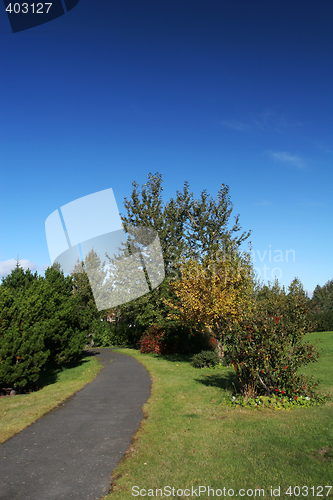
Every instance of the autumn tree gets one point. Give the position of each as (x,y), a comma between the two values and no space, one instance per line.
(187,228)
(214,293)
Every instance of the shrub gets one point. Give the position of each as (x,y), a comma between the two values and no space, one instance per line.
(55,308)
(173,338)
(106,334)
(19,280)
(152,342)
(267,352)
(205,359)
(324,321)
(22,350)
(39,324)
(182,339)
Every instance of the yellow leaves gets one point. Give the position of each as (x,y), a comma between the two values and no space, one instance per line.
(211,293)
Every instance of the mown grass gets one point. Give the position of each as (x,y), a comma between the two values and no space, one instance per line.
(189,438)
(17,412)
(323,370)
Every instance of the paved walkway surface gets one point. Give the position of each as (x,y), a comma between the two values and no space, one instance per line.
(71,452)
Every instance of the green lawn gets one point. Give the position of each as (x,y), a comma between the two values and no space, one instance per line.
(189,439)
(323,370)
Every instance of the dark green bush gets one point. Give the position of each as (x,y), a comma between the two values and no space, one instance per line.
(173,338)
(181,339)
(324,321)
(106,334)
(19,280)
(205,359)
(56,309)
(22,350)
(39,325)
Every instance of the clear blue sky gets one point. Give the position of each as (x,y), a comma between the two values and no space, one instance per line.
(237,92)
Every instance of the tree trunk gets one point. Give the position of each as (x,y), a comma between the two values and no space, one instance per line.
(220,342)
(219,350)
(220,347)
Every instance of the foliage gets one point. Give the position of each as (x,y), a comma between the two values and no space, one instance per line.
(172,338)
(85,303)
(56,309)
(152,342)
(187,228)
(322,298)
(39,324)
(106,334)
(323,321)
(275,402)
(18,280)
(267,351)
(272,297)
(205,359)
(322,307)
(22,350)
(184,339)
(215,294)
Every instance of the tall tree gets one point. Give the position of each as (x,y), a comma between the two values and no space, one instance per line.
(322,298)
(171,220)
(19,280)
(85,303)
(209,232)
(188,228)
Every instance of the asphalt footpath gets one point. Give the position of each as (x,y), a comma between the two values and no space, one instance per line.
(71,452)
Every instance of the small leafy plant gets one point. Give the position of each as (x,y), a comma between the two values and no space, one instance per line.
(205,359)
(275,402)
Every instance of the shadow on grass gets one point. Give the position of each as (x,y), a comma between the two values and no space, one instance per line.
(227,381)
(176,358)
(49,374)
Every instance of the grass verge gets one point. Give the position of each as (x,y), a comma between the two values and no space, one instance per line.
(190,439)
(17,412)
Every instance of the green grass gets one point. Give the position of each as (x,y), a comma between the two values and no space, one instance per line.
(17,412)
(189,438)
(323,370)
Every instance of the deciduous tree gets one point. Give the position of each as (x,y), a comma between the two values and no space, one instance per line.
(187,228)
(214,294)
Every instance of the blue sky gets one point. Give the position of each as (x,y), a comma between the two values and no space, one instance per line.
(210,92)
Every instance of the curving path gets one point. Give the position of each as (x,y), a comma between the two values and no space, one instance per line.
(71,452)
